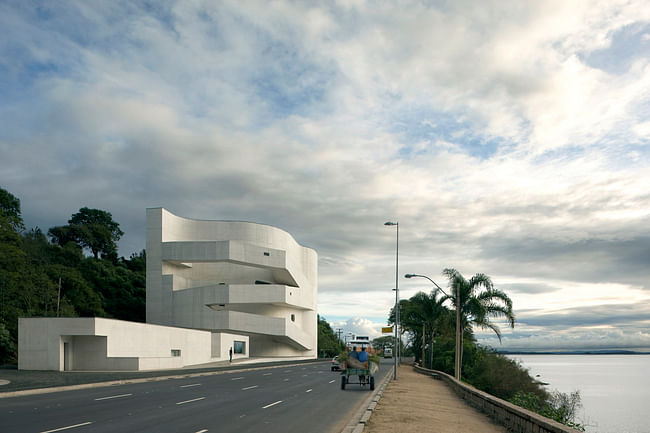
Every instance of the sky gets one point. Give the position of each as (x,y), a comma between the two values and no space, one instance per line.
(507,138)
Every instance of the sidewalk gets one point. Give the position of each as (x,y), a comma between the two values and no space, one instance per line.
(417,403)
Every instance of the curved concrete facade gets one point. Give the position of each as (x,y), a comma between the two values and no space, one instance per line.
(235,277)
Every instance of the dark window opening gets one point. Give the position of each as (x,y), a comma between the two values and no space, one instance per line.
(239,347)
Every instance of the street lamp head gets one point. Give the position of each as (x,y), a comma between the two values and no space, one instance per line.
(390,223)
(410,275)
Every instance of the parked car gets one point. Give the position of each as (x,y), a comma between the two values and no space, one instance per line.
(335,364)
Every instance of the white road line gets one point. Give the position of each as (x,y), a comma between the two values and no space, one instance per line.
(237,378)
(65,428)
(191,384)
(201,431)
(286,380)
(190,401)
(113,396)
(249,387)
(267,374)
(272,404)
(309,390)
(332,381)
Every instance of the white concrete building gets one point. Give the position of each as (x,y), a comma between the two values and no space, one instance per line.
(211,286)
(231,276)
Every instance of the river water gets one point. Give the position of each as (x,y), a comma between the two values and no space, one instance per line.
(615,389)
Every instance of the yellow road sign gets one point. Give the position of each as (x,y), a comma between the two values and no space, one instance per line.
(388,330)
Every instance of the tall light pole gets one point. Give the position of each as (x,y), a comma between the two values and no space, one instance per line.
(458,329)
(397,342)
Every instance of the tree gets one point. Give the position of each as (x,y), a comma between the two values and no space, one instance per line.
(90,228)
(10,209)
(328,344)
(479,301)
(423,315)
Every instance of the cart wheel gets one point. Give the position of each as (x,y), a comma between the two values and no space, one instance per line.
(372,383)
(343,382)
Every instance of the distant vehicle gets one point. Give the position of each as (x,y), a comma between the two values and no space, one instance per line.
(336,366)
(388,352)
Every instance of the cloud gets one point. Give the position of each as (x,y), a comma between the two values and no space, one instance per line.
(505,138)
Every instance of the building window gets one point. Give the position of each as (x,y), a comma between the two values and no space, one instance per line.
(176,352)
(266,254)
(239,347)
(293,317)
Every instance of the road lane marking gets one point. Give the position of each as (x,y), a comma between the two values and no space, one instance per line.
(272,404)
(309,390)
(237,378)
(190,401)
(191,384)
(332,381)
(286,380)
(267,374)
(201,431)
(249,387)
(68,427)
(113,396)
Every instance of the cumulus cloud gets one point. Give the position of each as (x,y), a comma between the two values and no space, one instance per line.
(506,138)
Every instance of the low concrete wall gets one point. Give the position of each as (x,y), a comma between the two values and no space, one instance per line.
(511,416)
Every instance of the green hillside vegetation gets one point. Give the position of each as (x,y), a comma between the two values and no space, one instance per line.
(33,266)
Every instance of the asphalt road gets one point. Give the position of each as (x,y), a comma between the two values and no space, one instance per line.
(299,398)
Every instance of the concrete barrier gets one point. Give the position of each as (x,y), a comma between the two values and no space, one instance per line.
(511,416)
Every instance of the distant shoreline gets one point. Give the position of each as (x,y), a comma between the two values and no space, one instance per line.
(573,352)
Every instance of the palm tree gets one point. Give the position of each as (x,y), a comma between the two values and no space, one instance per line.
(479,301)
(421,315)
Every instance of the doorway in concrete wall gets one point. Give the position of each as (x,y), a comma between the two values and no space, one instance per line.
(67,357)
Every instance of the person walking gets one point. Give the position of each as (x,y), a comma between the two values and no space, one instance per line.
(230,352)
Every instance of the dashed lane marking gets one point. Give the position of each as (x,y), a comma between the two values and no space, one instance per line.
(272,404)
(249,387)
(113,396)
(190,385)
(68,427)
(190,401)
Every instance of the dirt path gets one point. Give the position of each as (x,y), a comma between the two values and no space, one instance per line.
(417,403)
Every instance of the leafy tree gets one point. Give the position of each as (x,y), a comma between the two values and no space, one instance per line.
(380,343)
(328,344)
(10,209)
(93,229)
(479,302)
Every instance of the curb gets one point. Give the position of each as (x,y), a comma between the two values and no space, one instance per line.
(358,421)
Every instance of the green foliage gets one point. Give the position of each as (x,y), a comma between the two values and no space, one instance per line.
(558,406)
(328,344)
(31,268)
(7,346)
(93,229)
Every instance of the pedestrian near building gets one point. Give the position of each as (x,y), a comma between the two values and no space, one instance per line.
(230,354)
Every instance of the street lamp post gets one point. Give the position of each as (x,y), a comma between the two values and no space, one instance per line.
(458,329)
(397,345)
